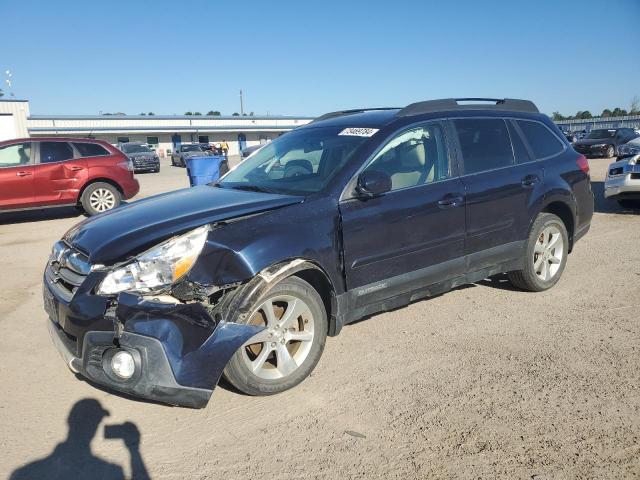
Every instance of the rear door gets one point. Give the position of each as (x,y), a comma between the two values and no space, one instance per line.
(501,192)
(413,235)
(16,176)
(60,174)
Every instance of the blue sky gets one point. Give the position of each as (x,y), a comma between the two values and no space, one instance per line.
(310,57)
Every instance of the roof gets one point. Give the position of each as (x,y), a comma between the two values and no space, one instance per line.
(357,118)
(168,117)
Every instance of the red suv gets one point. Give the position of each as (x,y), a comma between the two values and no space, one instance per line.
(52,172)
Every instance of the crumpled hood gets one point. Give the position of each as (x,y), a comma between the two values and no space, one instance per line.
(113,236)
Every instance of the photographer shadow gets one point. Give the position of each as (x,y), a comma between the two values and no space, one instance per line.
(73,457)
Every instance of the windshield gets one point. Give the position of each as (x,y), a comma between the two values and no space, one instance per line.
(135,149)
(601,133)
(301,162)
(191,148)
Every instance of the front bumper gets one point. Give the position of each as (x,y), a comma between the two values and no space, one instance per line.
(591,150)
(624,184)
(181,350)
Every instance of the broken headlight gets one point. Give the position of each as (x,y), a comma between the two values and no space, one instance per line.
(158,267)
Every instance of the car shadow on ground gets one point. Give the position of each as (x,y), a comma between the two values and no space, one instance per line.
(605,205)
(73,458)
(54,213)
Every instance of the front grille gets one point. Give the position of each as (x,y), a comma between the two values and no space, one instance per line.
(66,270)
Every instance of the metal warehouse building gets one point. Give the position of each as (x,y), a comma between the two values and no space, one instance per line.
(163,133)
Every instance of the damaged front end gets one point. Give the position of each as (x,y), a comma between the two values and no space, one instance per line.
(169,346)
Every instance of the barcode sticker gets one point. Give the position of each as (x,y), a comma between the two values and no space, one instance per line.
(359,132)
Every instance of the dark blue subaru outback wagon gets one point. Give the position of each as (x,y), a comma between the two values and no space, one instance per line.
(358,212)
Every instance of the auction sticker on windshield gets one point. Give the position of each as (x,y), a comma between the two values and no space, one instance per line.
(359,132)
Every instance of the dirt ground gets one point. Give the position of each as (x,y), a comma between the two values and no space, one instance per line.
(481,382)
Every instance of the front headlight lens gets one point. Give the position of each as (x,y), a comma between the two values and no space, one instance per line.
(628,150)
(159,267)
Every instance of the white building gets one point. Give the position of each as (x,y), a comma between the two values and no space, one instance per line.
(160,131)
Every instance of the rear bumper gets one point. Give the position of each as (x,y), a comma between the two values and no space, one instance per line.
(130,187)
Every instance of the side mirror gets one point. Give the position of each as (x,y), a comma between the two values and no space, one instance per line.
(372,183)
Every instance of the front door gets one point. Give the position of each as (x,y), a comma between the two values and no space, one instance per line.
(412,236)
(16,176)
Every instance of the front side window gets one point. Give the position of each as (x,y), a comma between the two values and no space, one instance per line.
(51,152)
(601,133)
(91,150)
(543,143)
(15,155)
(300,162)
(414,157)
(484,143)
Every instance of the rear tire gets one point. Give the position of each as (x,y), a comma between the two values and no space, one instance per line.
(287,351)
(100,197)
(545,257)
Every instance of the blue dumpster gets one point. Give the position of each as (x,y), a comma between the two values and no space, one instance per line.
(204,169)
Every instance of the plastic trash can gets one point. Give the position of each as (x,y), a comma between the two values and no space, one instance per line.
(204,169)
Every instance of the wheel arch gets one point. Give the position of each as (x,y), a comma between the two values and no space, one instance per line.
(563,211)
(307,270)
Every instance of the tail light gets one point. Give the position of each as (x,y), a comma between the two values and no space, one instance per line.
(583,163)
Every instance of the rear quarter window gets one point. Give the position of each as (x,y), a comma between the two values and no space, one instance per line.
(91,150)
(543,143)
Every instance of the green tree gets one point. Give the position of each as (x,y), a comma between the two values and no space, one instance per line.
(558,116)
(1,93)
(618,112)
(143,114)
(188,113)
(197,113)
(235,114)
(213,113)
(151,114)
(606,113)
(634,108)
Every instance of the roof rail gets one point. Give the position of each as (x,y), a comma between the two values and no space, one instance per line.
(340,113)
(510,104)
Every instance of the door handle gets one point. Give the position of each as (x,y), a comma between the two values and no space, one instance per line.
(22,174)
(530,180)
(450,201)
(74,168)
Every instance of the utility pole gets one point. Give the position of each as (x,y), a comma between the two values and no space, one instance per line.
(241,103)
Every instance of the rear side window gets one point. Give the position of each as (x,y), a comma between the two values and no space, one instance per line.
(15,155)
(91,150)
(543,143)
(51,152)
(484,143)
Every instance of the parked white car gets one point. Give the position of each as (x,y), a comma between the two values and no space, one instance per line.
(623,176)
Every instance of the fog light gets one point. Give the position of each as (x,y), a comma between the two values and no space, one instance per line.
(123,365)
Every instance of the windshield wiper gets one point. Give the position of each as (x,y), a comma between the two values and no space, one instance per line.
(253,188)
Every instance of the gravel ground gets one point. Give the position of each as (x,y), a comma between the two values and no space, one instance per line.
(483,381)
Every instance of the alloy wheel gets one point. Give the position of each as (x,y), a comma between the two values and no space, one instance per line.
(285,343)
(102,199)
(548,253)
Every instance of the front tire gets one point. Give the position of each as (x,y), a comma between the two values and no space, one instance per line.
(611,151)
(545,257)
(100,197)
(290,346)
